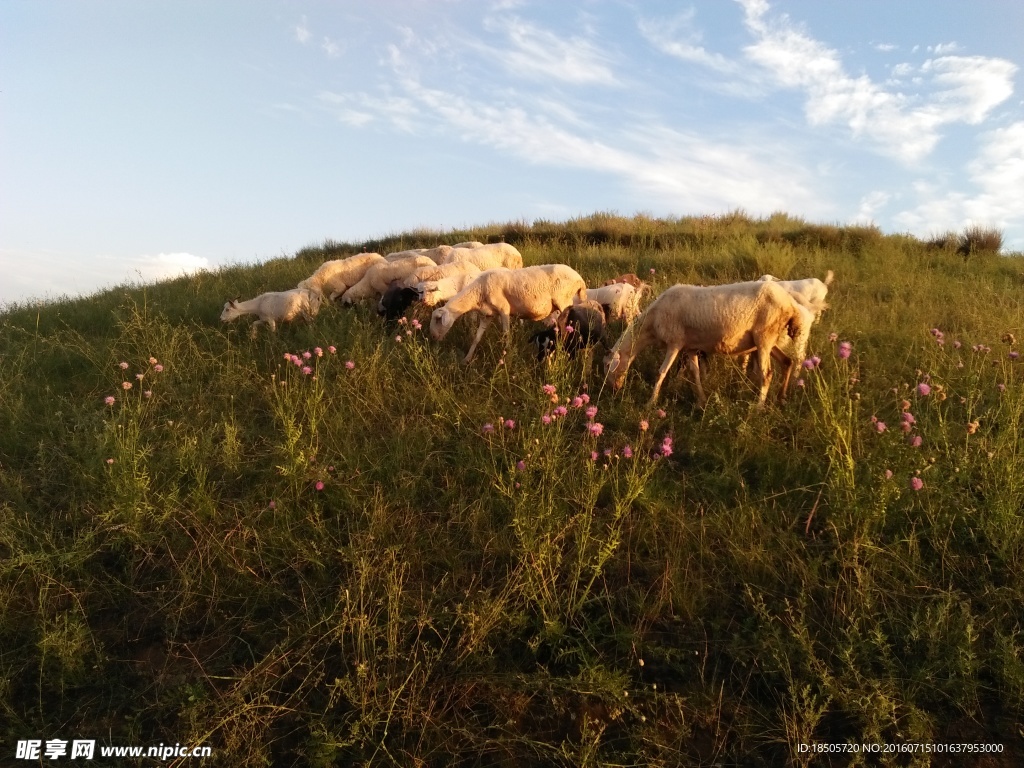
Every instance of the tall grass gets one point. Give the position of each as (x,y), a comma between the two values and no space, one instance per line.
(379,556)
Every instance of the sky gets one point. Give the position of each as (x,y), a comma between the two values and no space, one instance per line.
(143,139)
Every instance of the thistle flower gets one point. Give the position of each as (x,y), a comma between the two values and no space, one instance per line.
(158,368)
(307,370)
(627,451)
(880,426)
(153,361)
(915,441)
(319,485)
(487,428)
(126,385)
(417,324)
(644,425)
(123,365)
(888,474)
(595,429)
(591,412)
(577,402)
(548,389)
(349,365)
(520,465)
(510,424)
(318,351)
(924,389)
(845,348)
(916,483)
(148,393)
(560,411)
(109,399)
(306,355)
(332,349)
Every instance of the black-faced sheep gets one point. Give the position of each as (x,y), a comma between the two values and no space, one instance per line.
(579,327)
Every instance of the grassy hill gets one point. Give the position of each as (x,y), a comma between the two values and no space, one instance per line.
(349,567)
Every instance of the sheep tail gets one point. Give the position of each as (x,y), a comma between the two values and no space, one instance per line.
(828,278)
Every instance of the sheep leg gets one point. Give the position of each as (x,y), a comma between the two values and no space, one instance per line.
(670,358)
(764,369)
(693,363)
(484,323)
(787,370)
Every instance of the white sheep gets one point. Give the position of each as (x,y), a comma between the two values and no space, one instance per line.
(487,256)
(380,275)
(337,276)
(621,301)
(439,272)
(810,290)
(725,319)
(534,293)
(434,292)
(274,307)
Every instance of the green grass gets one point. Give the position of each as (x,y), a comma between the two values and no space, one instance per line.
(172,569)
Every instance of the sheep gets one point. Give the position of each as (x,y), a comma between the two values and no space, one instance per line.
(629,278)
(439,272)
(434,292)
(396,299)
(274,307)
(487,256)
(381,275)
(811,291)
(727,319)
(335,277)
(621,301)
(580,326)
(534,293)
(469,244)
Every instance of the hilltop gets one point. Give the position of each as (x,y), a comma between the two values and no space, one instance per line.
(201,544)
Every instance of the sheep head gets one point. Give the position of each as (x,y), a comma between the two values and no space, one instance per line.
(441,321)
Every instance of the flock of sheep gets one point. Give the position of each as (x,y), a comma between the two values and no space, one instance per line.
(758,320)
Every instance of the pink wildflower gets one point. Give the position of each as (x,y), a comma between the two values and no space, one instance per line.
(349,365)
(487,428)
(666,447)
(153,361)
(845,348)
(332,349)
(800,383)
(1014,355)
(306,355)
(307,370)
(916,441)
(520,465)
(644,425)
(888,474)
(652,270)
(148,393)
(833,337)
(577,402)
(272,504)
(591,412)
(569,329)
(398,338)
(908,418)
(595,429)
(319,485)
(924,389)
(1001,387)
(585,397)
(318,351)
(110,461)
(593,455)
(661,413)
(560,411)
(880,426)
(126,385)
(416,324)
(627,451)
(916,483)
(109,399)
(548,389)
(138,377)
(158,368)
(123,365)
(510,424)
(546,419)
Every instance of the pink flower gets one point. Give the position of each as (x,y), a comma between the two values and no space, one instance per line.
(332,349)
(908,418)
(916,483)
(880,426)
(1001,387)
(307,370)
(627,451)
(560,411)
(546,419)
(487,428)
(888,474)
(595,429)
(306,355)
(153,361)
(924,389)
(110,461)
(800,383)
(398,338)
(126,385)
(591,412)
(123,365)
(272,504)
(548,389)
(957,345)
(661,413)
(148,393)
(666,447)
(833,336)
(158,368)
(585,397)
(593,455)
(608,453)
(906,426)
(916,441)
(349,365)
(1014,355)
(510,424)
(138,377)
(416,324)
(318,352)
(520,465)
(845,348)
(577,402)
(644,425)
(569,329)
(652,270)
(319,485)
(109,399)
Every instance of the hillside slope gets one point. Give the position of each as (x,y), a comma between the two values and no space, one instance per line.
(350,566)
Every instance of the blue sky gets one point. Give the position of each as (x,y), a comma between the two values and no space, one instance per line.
(139,139)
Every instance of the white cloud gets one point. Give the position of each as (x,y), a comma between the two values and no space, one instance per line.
(870,205)
(679,38)
(539,54)
(302,33)
(885,47)
(164,266)
(331,48)
(943,48)
(358,109)
(906,126)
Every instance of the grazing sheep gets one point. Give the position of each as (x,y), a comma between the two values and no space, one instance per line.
(811,291)
(728,319)
(534,293)
(434,292)
(274,307)
(469,244)
(381,275)
(337,276)
(621,301)
(580,327)
(439,272)
(487,256)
